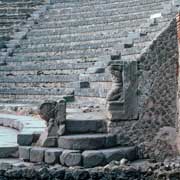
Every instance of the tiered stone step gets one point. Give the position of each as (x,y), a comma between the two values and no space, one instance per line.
(87,141)
(13,13)
(86,123)
(79,35)
(88,159)
(93,146)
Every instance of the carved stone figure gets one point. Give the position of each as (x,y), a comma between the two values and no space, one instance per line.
(115,93)
(54,113)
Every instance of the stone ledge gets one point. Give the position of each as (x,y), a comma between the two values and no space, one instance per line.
(89,158)
(87,141)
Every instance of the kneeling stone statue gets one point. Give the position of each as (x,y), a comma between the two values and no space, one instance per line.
(54,113)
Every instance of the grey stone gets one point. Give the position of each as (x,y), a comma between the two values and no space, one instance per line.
(50,142)
(37,154)
(52,155)
(93,158)
(84,84)
(89,126)
(119,153)
(94,70)
(128,43)
(25,139)
(71,158)
(5,166)
(134,35)
(24,153)
(7,152)
(87,141)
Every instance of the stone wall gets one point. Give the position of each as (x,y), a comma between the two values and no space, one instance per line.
(113,171)
(157,93)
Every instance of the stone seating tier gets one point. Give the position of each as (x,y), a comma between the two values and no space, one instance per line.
(13,13)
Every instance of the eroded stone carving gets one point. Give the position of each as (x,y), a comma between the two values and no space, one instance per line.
(115,94)
(54,113)
(122,98)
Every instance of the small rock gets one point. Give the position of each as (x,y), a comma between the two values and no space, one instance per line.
(123,161)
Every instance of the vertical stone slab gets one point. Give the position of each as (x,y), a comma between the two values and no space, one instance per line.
(61,116)
(24,152)
(37,154)
(61,111)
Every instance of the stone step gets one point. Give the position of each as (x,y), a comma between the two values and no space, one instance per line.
(13,16)
(84,53)
(20,4)
(56,59)
(30,90)
(87,141)
(9,22)
(81,42)
(103,14)
(87,159)
(52,71)
(28,98)
(36,91)
(86,37)
(37,85)
(12,10)
(101,20)
(92,158)
(45,67)
(39,79)
(101,3)
(125,26)
(19,60)
(93,122)
(108,9)
(75,46)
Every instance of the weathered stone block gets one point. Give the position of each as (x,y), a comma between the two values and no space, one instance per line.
(84,84)
(119,153)
(134,35)
(94,70)
(128,43)
(86,141)
(24,153)
(6,152)
(93,158)
(25,139)
(71,158)
(50,142)
(37,154)
(52,155)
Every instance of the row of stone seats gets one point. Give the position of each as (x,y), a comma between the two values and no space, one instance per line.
(82,41)
(13,13)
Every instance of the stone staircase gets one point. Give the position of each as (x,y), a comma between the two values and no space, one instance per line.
(86,143)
